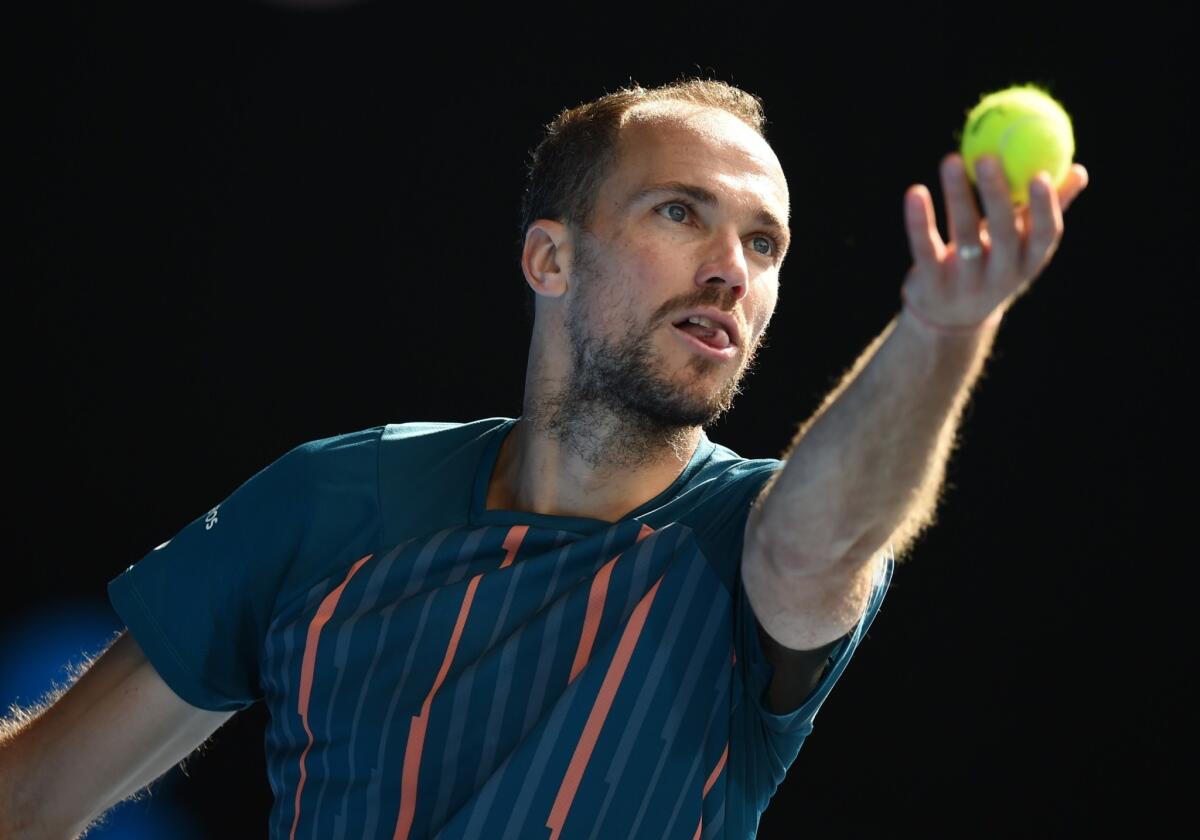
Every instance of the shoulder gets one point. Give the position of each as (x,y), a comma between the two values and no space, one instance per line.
(365,444)
(341,445)
(713,492)
(724,471)
(714,503)
(335,462)
(432,432)
(408,448)
(336,458)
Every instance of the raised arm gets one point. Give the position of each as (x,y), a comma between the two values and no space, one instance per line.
(866,470)
(114,731)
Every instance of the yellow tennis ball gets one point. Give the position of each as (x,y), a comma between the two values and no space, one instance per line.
(1027,129)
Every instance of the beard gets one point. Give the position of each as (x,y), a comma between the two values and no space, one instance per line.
(616,408)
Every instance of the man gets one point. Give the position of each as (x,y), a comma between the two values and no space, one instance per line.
(589,621)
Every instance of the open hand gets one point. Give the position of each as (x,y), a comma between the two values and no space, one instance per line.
(947,285)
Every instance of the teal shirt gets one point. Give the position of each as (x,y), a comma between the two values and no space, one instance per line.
(436,669)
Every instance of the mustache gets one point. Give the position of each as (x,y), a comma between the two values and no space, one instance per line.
(724,300)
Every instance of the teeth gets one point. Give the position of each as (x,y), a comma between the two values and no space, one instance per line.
(704,322)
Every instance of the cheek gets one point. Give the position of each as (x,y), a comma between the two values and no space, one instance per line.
(766,308)
(649,264)
(629,280)
(610,309)
(648,259)
(628,289)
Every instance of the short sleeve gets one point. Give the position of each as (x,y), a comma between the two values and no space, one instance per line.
(200,604)
(768,743)
(757,672)
(719,519)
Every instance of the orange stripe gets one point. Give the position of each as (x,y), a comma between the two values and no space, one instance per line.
(716,771)
(597,595)
(324,613)
(516,534)
(600,710)
(591,621)
(303,777)
(420,724)
(712,780)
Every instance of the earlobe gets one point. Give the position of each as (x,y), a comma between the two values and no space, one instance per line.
(545,258)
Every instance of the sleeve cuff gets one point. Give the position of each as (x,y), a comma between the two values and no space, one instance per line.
(128,604)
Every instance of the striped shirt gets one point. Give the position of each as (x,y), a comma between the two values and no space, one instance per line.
(435,669)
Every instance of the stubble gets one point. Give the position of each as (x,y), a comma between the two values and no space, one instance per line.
(615,408)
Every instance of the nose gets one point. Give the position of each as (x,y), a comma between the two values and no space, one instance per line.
(726,266)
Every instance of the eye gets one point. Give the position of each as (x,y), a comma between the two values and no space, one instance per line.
(770,248)
(676,211)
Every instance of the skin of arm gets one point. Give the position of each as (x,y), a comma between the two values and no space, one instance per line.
(865,471)
(862,473)
(114,731)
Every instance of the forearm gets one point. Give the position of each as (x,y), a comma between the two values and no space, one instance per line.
(22,786)
(15,818)
(867,467)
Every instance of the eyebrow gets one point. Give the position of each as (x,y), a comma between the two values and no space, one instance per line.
(706,197)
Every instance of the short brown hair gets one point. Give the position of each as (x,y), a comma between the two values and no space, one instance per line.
(578,148)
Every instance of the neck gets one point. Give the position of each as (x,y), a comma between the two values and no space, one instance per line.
(578,458)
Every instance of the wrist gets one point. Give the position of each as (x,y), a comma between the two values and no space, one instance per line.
(929,326)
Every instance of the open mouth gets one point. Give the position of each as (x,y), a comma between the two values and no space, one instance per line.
(705,332)
(712,341)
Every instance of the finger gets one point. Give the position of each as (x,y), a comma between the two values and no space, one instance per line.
(1001,218)
(1075,183)
(1023,219)
(1046,223)
(921,225)
(962,214)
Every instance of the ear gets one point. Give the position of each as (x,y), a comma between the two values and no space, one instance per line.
(545,259)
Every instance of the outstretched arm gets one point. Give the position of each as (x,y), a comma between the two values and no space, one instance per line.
(116,730)
(865,471)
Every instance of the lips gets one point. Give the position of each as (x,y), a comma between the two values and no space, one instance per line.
(712,336)
(720,320)
(708,349)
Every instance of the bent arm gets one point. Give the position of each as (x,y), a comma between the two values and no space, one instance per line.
(116,730)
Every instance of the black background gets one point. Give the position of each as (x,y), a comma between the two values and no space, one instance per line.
(247,226)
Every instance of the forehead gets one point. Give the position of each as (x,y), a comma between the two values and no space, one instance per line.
(707,147)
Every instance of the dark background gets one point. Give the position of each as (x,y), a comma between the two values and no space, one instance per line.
(247,226)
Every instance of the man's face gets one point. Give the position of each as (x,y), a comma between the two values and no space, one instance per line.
(693,217)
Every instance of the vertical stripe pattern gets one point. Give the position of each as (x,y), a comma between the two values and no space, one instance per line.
(416,738)
(595,721)
(508,682)
(324,613)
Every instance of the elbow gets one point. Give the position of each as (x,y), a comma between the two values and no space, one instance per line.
(790,550)
(786,553)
